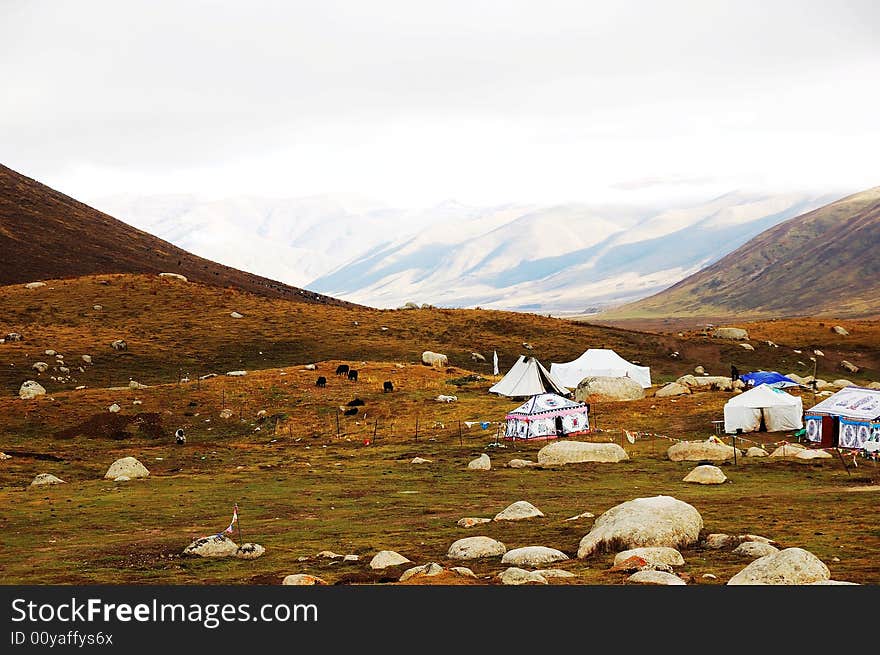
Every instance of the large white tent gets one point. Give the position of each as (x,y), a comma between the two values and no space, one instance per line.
(779,411)
(600,362)
(527,377)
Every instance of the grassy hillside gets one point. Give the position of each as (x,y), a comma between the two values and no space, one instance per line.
(818,264)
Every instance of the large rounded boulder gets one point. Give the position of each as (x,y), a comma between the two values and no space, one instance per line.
(217,545)
(128,467)
(475,547)
(655,521)
(575,452)
(533,556)
(706,474)
(519,511)
(792,566)
(31,389)
(697,451)
(434,359)
(732,333)
(608,388)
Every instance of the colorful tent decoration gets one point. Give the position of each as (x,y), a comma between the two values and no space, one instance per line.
(599,362)
(547,416)
(770,378)
(854,414)
(763,407)
(527,377)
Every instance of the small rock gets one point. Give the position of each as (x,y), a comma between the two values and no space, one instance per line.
(533,556)
(555,573)
(236,374)
(213,546)
(521,464)
(119,344)
(706,474)
(351,558)
(303,579)
(428,570)
(849,366)
(385,558)
(44,479)
(470,522)
(818,353)
(250,551)
(31,389)
(746,346)
(236,315)
(651,555)
(517,576)
(226,413)
(839,329)
(34,285)
(87,359)
(813,454)
(699,370)
(672,389)
(419,460)
(481,463)
(329,554)
(755,451)
(655,577)
(113,408)
(710,576)
(174,276)
(518,511)
(754,549)
(583,515)
(787,450)
(463,571)
(40,367)
(474,547)
(122,478)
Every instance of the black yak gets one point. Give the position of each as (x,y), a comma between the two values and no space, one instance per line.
(353,375)
(387,386)
(342,369)
(321,382)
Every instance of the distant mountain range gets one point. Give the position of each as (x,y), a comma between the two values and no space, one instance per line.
(45,234)
(821,263)
(565,258)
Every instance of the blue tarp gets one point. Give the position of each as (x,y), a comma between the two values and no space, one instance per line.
(771,378)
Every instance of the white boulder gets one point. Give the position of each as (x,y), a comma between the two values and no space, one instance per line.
(655,577)
(706,474)
(754,549)
(302,579)
(519,511)
(128,466)
(792,566)
(573,452)
(533,556)
(481,463)
(385,558)
(44,479)
(518,576)
(695,451)
(31,389)
(653,555)
(213,546)
(475,547)
(611,388)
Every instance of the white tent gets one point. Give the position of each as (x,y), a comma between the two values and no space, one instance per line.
(527,377)
(598,362)
(547,416)
(779,411)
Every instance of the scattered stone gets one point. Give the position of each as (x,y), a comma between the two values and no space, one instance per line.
(44,479)
(310,367)
(573,452)
(716,382)
(385,558)
(442,398)
(746,346)
(818,353)
(236,374)
(849,366)
(584,515)
(64,369)
(213,546)
(122,478)
(128,466)
(517,576)
(113,408)
(134,384)
(839,329)
(519,511)
(651,556)
(656,521)
(706,474)
(34,285)
(555,573)
(428,570)
(40,367)
(5,456)
(250,551)
(475,547)
(302,579)
(226,413)
(655,577)
(329,554)
(119,344)
(533,556)
(672,389)
(174,276)
(13,336)
(699,370)
(87,359)
(236,315)
(792,566)
(521,464)
(735,334)
(434,359)
(611,388)
(787,450)
(97,308)
(469,522)
(207,376)
(813,454)
(477,357)
(481,463)
(710,576)
(717,541)
(842,383)
(755,451)
(696,451)
(351,558)
(31,389)
(419,460)
(754,549)
(832,582)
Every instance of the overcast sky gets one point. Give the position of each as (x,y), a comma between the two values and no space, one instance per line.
(415,102)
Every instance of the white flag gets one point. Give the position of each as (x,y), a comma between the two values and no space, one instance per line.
(495,362)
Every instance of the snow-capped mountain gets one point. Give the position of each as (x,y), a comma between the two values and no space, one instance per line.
(521,257)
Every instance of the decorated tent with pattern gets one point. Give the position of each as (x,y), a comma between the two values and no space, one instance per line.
(600,362)
(763,408)
(528,377)
(547,416)
(856,411)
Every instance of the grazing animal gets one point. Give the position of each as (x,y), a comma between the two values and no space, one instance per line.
(387,386)
(351,412)
(357,402)
(353,375)
(342,369)
(321,382)
(180,437)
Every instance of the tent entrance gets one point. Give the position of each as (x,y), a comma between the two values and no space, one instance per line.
(559,428)
(763,426)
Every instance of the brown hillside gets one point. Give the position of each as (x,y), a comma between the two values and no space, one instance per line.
(45,234)
(818,264)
